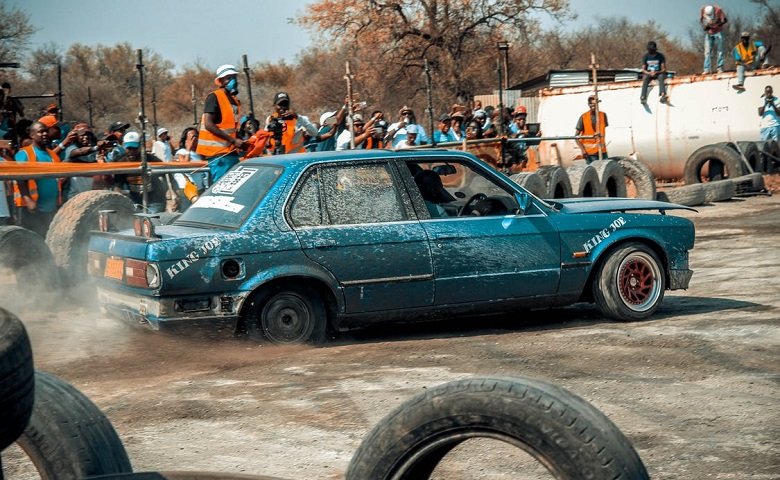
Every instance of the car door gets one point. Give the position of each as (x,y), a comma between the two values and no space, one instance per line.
(352,219)
(500,255)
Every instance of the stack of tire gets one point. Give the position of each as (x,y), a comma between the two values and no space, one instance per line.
(715,173)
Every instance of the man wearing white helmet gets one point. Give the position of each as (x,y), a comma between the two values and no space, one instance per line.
(712,19)
(218,141)
(133,184)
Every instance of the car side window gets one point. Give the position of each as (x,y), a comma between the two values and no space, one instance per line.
(357,194)
(306,209)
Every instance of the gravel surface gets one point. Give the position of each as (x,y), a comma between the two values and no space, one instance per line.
(695,388)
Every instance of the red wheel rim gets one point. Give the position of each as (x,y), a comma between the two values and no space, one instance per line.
(638,281)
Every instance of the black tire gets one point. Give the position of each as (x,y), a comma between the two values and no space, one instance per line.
(584,180)
(688,195)
(186,475)
(640,176)
(68,436)
(723,162)
(531,182)
(719,190)
(754,157)
(771,151)
(288,314)
(557,181)
(630,283)
(611,179)
(26,253)
(68,236)
(17,378)
(750,183)
(562,431)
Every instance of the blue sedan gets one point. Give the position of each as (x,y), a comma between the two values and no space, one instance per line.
(291,247)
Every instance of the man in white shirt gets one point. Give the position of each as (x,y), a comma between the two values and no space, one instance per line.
(770,115)
(162,146)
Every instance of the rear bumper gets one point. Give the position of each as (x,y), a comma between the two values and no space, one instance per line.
(679,279)
(160,312)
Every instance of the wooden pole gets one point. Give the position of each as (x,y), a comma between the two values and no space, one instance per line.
(594,70)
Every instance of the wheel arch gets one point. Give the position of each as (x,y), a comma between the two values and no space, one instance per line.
(604,254)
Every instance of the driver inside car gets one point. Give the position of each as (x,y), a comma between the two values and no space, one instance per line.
(434,194)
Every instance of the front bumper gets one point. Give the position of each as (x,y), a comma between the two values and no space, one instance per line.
(160,312)
(679,279)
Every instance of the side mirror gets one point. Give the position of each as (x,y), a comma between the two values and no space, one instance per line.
(523,202)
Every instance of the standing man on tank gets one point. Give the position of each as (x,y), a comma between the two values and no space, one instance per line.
(712,18)
(218,142)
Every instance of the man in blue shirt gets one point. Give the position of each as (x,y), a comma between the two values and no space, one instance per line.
(37,200)
(653,66)
(770,115)
(444,133)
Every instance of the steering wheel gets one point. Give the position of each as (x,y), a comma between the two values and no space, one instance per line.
(469,203)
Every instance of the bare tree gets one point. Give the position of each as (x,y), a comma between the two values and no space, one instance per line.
(15,33)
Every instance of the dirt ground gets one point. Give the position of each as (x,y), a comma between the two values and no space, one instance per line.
(695,388)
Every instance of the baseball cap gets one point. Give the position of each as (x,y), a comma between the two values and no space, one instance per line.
(225,70)
(744,34)
(708,10)
(132,140)
(116,126)
(52,108)
(281,97)
(412,128)
(357,118)
(328,118)
(161,130)
(444,117)
(480,114)
(520,110)
(48,120)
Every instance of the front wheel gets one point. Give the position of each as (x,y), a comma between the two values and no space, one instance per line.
(291,315)
(630,284)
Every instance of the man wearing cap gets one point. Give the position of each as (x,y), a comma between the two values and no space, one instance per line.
(156,186)
(410,138)
(37,200)
(653,67)
(81,148)
(398,131)
(769,112)
(331,126)
(296,127)
(362,129)
(444,131)
(162,146)
(218,140)
(712,18)
(588,126)
(749,54)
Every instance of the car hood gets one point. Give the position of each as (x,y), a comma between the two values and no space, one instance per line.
(597,205)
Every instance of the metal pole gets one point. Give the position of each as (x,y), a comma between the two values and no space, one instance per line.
(142,117)
(194,106)
(154,112)
(348,78)
(59,90)
(429,109)
(500,100)
(594,69)
(249,88)
(89,105)
(506,67)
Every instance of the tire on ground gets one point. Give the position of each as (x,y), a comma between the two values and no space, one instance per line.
(287,314)
(719,190)
(629,283)
(713,156)
(562,431)
(754,157)
(68,236)
(557,181)
(771,151)
(611,179)
(584,180)
(750,183)
(688,195)
(68,436)
(636,172)
(26,253)
(17,378)
(531,182)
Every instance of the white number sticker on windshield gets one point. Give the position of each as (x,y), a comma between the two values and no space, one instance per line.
(228,184)
(220,203)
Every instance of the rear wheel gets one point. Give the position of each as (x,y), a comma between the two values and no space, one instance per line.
(630,284)
(290,315)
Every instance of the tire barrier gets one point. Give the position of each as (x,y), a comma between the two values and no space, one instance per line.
(557,181)
(17,378)
(771,152)
(754,157)
(751,183)
(720,160)
(642,179)
(584,180)
(560,430)
(68,236)
(532,182)
(26,253)
(688,195)
(611,178)
(719,191)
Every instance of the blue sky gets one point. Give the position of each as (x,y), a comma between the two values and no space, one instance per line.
(185,32)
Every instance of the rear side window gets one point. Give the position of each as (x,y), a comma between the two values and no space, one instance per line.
(306,210)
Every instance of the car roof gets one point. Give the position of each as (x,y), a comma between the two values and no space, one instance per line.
(303,159)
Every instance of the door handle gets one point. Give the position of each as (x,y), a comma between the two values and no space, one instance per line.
(323,244)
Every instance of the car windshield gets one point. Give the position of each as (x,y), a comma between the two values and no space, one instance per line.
(229,202)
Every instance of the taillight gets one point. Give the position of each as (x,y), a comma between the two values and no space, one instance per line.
(104,222)
(139,273)
(143,226)
(95,263)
